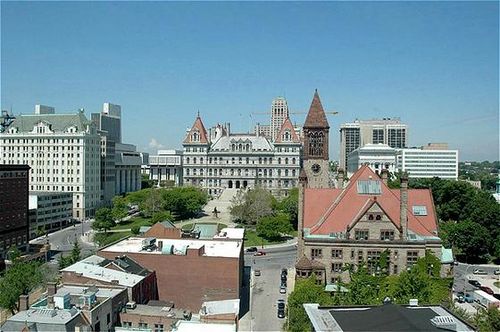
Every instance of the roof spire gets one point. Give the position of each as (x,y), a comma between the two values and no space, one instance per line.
(316,118)
(198,113)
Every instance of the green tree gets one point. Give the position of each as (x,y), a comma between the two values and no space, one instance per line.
(20,278)
(185,202)
(290,205)
(488,319)
(103,219)
(135,229)
(153,202)
(470,241)
(146,182)
(161,216)
(306,291)
(251,206)
(63,261)
(75,252)
(273,227)
(120,208)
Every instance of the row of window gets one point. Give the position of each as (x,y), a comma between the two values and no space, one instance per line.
(5,245)
(141,325)
(240,160)
(364,234)
(239,172)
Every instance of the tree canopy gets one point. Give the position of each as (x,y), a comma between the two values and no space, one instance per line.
(20,278)
(273,227)
(250,206)
(103,219)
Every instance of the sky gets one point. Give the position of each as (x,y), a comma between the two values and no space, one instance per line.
(433,64)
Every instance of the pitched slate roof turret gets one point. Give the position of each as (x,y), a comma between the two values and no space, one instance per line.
(316,117)
(287,125)
(198,128)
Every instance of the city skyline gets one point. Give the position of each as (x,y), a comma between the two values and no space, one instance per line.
(434,65)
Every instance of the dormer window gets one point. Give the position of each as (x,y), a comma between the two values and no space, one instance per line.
(13,130)
(195,136)
(287,137)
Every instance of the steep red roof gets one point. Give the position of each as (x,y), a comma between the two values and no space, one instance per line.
(332,210)
(200,128)
(287,125)
(316,117)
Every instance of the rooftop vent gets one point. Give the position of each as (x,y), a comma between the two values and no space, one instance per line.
(413,302)
(444,322)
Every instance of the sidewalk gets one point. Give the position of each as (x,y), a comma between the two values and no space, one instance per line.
(288,243)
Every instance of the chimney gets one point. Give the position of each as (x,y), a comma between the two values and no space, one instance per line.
(228,129)
(384,175)
(51,291)
(24,302)
(340,178)
(403,206)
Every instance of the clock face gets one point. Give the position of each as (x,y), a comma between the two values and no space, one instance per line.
(316,168)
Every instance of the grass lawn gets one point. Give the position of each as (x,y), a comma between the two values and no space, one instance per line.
(106,238)
(253,240)
(187,227)
(136,221)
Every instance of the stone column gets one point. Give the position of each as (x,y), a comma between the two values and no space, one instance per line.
(123,179)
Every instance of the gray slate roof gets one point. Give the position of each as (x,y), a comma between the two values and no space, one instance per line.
(58,122)
(258,142)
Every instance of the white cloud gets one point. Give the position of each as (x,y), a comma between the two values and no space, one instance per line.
(154,144)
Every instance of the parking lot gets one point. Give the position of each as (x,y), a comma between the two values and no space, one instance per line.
(464,273)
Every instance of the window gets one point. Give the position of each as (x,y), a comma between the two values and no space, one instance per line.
(316,253)
(371,187)
(419,210)
(352,254)
(337,267)
(360,257)
(336,253)
(411,258)
(386,235)
(361,234)
(143,325)
(395,269)
(108,318)
(158,328)
(373,256)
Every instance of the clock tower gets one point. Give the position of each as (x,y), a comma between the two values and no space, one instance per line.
(315,151)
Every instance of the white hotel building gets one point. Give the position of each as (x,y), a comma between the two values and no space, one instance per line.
(63,151)
(433,160)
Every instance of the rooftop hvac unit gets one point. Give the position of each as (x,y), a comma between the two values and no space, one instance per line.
(413,302)
(444,322)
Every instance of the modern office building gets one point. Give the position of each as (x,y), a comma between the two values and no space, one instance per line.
(13,207)
(356,134)
(120,163)
(376,156)
(49,211)
(429,161)
(63,152)
(221,159)
(166,167)
(127,168)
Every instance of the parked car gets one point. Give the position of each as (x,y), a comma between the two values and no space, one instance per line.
(283,283)
(479,271)
(475,283)
(251,249)
(460,297)
(468,298)
(259,253)
(281,304)
(496,272)
(486,290)
(281,313)
(282,289)
(257,273)
(283,278)
(284,272)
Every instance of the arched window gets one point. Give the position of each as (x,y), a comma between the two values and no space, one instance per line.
(286,161)
(201,160)
(378,217)
(279,160)
(187,160)
(293,161)
(194,160)
(370,217)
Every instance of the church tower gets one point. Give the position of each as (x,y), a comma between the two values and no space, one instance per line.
(315,151)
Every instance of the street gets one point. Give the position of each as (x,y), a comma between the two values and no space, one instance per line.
(265,288)
(64,239)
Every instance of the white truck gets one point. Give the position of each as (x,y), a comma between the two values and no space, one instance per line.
(486,299)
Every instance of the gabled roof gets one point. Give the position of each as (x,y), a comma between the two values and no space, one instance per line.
(287,125)
(200,128)
(329,211)
(316,117)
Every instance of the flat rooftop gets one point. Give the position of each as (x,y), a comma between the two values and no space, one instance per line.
(156,311)
(97,272)
(45,316)
(389,317)
(80,290)
(213,248)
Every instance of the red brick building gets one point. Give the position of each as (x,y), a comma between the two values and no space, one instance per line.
(14,226)
(188,271)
